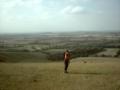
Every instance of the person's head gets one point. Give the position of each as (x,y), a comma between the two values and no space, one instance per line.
(67,50)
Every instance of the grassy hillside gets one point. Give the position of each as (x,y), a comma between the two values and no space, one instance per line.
(84,74)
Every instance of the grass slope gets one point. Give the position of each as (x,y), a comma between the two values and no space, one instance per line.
(96,74)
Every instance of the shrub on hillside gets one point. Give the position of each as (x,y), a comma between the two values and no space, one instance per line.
(85,52)
(55,56)
(117,54)
(78,52)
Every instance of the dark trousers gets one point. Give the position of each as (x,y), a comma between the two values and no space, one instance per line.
(66,62)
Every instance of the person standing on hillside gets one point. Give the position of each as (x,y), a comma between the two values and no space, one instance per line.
(66,60)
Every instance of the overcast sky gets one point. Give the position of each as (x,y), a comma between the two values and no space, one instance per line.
(19,16)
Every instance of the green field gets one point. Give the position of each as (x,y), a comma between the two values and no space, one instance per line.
(84,74)
(23,57)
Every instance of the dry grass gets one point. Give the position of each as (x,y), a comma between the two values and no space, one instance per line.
(95,74)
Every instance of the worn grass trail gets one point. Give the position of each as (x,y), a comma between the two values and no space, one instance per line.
(94,74)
